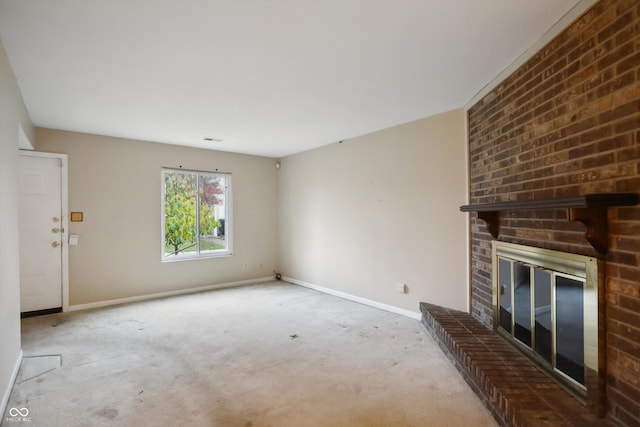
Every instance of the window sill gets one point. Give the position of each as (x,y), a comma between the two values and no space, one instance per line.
(178,258)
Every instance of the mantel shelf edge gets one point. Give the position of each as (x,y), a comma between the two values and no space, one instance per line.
(590,209)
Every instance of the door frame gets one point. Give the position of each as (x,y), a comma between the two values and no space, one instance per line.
(64,202)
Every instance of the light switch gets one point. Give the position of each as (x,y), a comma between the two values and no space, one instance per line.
(73,239)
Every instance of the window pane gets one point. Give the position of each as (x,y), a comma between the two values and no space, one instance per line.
(196,214)
(543,313)
(180,213)
(504,275)
(522,302)
(213,236)
(570,327)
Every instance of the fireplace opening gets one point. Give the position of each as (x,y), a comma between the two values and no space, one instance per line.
(546,303)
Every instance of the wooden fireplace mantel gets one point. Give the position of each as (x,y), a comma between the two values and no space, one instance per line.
(591,210)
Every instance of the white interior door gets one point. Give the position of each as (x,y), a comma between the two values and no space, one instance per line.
(41,233)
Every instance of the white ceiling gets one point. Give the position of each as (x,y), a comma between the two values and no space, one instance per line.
(268,77)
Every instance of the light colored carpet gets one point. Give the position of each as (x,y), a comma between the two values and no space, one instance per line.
(264,355)
(35,366)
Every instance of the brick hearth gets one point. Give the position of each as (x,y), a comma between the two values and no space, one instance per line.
(516,391)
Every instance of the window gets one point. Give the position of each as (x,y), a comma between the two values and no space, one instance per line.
(196,221)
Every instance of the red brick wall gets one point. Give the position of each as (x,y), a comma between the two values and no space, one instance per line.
(567,123)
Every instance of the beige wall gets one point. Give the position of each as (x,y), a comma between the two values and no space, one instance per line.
(363,215)
(358,217)
(12,116)
(116,184)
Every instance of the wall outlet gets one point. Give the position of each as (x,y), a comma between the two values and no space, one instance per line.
(402,288)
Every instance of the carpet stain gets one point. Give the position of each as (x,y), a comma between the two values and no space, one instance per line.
(107,412)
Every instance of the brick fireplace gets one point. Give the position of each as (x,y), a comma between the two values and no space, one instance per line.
(567,124)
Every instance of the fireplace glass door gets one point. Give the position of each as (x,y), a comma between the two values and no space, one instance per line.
(544,311)
(546,303)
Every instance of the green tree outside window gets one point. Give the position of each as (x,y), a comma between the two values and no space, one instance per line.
(194,213)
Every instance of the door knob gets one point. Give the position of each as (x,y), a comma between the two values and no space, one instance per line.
(55,244)
(55,219)
(55,230)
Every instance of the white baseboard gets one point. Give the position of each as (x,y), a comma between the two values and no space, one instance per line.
(98,304)
(397,310)
(12,380)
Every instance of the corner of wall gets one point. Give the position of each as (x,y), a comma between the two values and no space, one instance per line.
(468,222)
(24,142)
(574,13)
(7,392)
(14,121)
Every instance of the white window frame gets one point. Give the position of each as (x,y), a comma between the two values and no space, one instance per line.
(228,251)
